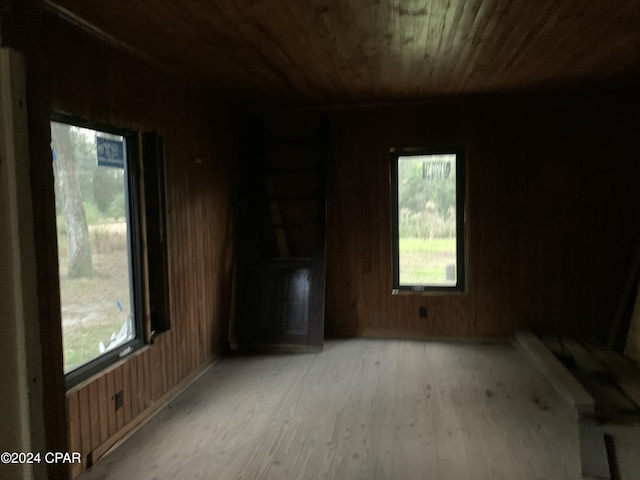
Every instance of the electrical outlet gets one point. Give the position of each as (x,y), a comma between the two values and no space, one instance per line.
(119,400)
(422,312)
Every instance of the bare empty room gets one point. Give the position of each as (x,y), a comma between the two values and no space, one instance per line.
(320,240)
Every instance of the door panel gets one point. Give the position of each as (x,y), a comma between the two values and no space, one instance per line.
(281,297)
(295,302)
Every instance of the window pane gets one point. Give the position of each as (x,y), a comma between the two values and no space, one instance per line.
(93,242)
(427,220)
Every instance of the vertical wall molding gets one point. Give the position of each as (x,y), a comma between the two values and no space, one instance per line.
(21,398)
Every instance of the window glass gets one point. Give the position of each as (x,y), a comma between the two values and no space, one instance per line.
(94,242)
(427,227)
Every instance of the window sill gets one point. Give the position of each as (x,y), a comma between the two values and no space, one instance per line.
(107,369)
(430,292)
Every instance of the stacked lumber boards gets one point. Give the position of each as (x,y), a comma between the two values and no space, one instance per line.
(601,385)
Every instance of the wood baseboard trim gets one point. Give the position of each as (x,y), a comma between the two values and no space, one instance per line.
(398,334)
(341,332)
(156,407)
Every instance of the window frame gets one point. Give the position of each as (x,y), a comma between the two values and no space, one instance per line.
(132,197)
(155,228)
(461,234)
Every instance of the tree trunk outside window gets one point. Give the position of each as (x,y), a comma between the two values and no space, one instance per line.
(80,262)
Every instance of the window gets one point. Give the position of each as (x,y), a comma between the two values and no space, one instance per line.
(96,192)
(427,205)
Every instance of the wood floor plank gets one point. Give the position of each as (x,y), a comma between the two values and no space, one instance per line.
(361,409)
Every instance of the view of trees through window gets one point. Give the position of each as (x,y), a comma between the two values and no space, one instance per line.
(91,219)
(427,220)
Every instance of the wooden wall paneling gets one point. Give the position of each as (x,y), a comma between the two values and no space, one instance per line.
(118,387)
(84,408)
(142,382)
(162,370)
(216,298)
(191,273)
(133,388)
(334,225)
(363,249)
(155,373)
(173,236)
(443,314)
(191,289)
(523,213)
(484,267)
(201,294)
(500,236)
(351,195)
(595,238)
(334,253)
(138,392)
(170,362)
(384,247)
(212,295)
(111,411)
(536,203)
(172,353)
(205,267)
(167,364)
(127,383)
(177,334)
(458,308)
(380,205)
(354,248)
(377,195)
(180,307)
(198,271)
(184,272)
(103,405)
(210,289)
(75,438)
(411,321)
(147,372)
(514,218)
(94,409)
(164,350)
(172,242)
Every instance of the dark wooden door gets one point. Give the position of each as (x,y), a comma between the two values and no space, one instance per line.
(282,264)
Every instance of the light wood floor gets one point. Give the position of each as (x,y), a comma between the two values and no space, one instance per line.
(362,409)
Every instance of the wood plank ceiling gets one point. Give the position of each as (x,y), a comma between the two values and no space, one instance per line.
(336,51)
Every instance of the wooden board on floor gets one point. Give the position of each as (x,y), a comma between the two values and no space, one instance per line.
(566,384)
(593,453)
(632,349)
(626,374)
(584,359)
